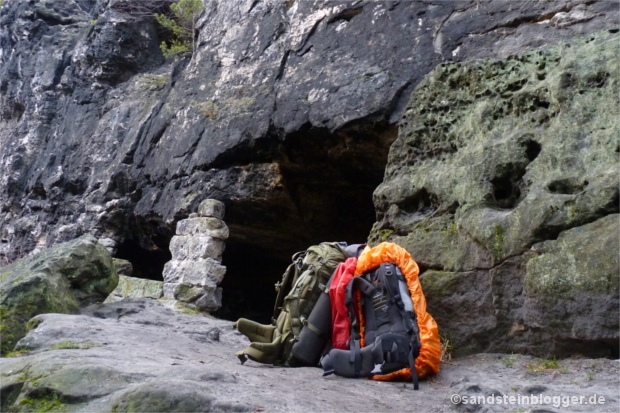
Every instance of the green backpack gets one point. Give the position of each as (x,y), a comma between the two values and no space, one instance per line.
(298,292)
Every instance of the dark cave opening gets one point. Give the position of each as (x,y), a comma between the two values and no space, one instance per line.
(253,269)
(325,194)
(317,187)
(249,286)
(147,263)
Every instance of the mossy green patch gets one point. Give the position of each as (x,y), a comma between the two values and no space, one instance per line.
(56,280)
(71,345)
(43,403)
(439,283)
(154,82)
(527,144)
(582,260)
(19,352)
(64,345)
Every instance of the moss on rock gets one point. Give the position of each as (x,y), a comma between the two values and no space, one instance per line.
(131,287)
(505,173)
(574,264)
(57,280)
(527,144)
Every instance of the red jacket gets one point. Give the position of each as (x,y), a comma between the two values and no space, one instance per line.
(341,323)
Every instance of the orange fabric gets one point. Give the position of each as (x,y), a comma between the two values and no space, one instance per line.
(430,352)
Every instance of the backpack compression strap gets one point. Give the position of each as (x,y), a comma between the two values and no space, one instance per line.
(394,280)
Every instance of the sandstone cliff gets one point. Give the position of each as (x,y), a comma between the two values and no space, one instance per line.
(286,112)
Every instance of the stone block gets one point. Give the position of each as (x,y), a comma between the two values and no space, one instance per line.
(205,226)
(211,208)
(206,247)
(211,301)
(171,273)
(169,290)
(178,247)
(187,293)
(196,247)
(136,288)
(203,273)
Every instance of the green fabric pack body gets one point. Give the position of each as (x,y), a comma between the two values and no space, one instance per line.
(302,284)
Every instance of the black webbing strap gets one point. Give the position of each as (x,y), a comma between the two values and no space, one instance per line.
(355,357)
(414,372)
(367,289)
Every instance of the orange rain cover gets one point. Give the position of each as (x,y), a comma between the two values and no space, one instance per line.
(430,353)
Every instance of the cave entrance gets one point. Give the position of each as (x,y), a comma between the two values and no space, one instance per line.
(327,181)
(249,284)
(147,263)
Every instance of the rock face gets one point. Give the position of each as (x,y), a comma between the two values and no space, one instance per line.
(285,112)
(138,356)
(58,280)
(503,184)
(195,270)
(132,287)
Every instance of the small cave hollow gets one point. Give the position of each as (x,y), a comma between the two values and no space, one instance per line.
(506,185)
(532,149)
(422,202)
(346,15)
(567,186)
(146,263)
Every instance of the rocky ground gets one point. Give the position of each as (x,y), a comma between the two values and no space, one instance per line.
(139,355)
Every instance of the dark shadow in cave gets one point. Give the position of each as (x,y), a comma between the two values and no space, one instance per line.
(328,179)
(248,288)
(147,264)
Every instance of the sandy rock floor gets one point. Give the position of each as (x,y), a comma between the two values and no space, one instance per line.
(138,355)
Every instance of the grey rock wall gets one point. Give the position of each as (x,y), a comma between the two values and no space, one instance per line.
(503,185)
(286,111)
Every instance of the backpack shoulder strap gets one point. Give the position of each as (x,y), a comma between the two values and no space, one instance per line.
(288,280)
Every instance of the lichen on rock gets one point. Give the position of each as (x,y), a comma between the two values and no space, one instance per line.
(58,280)
(496,156)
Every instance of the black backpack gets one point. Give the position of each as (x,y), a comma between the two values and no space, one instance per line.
(391,333)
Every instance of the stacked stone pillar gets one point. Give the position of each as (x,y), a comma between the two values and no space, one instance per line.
(194,272)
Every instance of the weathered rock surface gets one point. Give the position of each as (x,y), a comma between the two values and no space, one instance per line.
(58,280)
(285,112)
(136,355)
(132,287)
(503,183)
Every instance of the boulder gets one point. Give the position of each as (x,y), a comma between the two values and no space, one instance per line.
(503,185)
(58,280)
